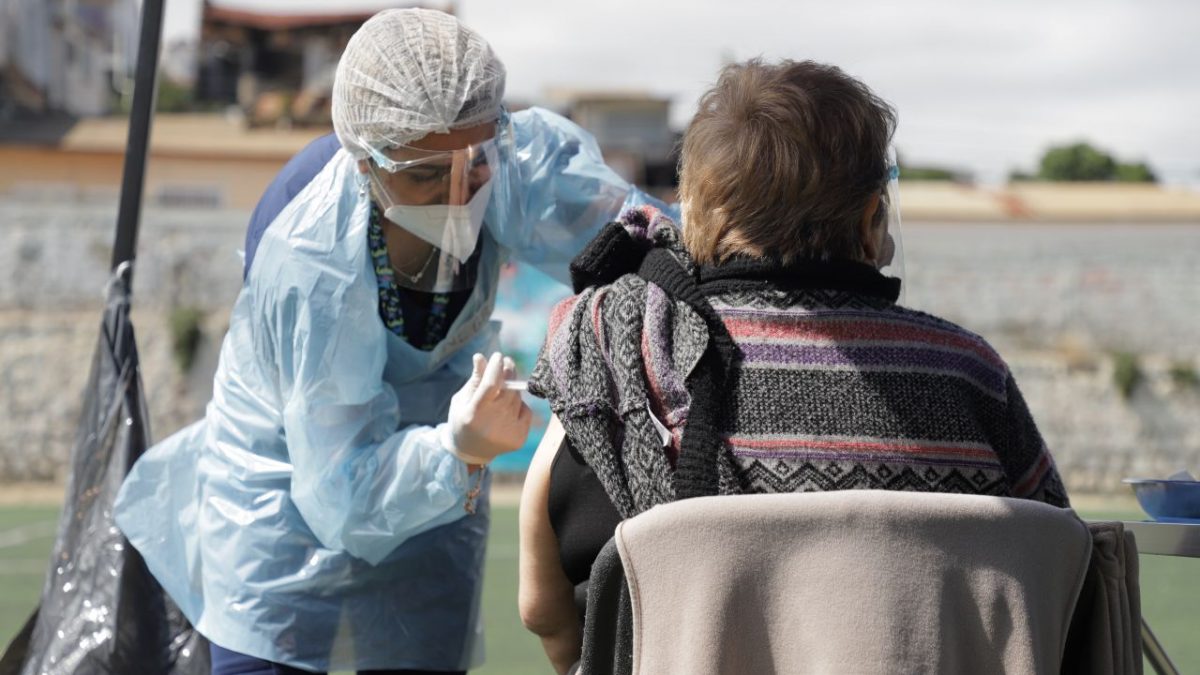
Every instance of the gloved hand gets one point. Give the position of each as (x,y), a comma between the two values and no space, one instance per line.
(487,420)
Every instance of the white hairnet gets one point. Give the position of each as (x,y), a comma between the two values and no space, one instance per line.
(411,72)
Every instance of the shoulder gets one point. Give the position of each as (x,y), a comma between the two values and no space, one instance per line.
(540,120)
(939,324)
(597,302)
(929,327)
(551,138)
(293,178)
(595,317)
(306,164)
(325,220)
(315,253)
(561,313)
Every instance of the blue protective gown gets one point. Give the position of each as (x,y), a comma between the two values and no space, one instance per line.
(314,516)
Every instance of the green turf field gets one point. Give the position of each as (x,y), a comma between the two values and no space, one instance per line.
(1170,589)
(26,535)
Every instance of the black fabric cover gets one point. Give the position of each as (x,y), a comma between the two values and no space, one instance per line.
(101,611)
(608,632)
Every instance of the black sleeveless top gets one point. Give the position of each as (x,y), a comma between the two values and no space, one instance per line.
(581,514)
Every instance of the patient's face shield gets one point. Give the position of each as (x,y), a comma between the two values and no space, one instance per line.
(440,197)
(891,257)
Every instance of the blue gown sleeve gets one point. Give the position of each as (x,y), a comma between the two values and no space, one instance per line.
(554,192)
(305,333)
(361,484)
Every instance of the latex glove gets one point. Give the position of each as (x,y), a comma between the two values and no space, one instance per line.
(485,419)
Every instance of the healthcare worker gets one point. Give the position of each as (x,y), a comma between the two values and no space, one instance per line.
(330,510)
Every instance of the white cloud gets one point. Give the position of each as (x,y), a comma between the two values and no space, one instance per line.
(985,85)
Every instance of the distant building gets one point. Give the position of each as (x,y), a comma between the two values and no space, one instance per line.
(66,56)
(276,66)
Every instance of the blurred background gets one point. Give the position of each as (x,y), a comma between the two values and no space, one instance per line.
(1050,192)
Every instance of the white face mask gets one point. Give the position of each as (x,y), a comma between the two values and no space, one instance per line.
(453,229)
(888,254)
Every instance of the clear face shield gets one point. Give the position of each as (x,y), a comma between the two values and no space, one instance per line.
(438,199)
(891,258)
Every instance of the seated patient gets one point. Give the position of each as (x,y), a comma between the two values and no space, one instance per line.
(758,348)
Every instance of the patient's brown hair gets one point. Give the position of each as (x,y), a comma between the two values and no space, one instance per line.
(781,161)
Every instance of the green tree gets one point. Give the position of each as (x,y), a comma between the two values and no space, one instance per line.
(1135,173)
(926,173)
(1084,162)
(173,97)
(1077,162)
(929,172)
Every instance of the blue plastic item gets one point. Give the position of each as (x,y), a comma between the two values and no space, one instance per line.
(1168,501)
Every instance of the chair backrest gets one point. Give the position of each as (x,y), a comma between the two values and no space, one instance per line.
(856,581)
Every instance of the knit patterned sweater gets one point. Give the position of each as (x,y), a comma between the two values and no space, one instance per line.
(830,384)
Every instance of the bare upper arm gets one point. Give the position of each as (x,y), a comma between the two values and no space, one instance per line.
(544,592)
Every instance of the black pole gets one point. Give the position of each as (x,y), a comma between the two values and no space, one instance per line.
(136,146)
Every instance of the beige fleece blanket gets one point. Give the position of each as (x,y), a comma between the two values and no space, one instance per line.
(856,581)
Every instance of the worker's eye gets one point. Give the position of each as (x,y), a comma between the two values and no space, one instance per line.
(427,175)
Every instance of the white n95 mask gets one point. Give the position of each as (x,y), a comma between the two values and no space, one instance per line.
(440,197)
(452,228)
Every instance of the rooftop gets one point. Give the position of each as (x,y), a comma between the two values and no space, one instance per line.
(297,18)
(191,135)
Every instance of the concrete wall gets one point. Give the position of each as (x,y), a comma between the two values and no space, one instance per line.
(1057,301)
(53,268)
(1033,287)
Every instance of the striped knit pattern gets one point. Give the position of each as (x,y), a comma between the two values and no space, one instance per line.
(834,390)
(842,391)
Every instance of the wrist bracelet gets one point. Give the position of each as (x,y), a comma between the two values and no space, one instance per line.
(473,493)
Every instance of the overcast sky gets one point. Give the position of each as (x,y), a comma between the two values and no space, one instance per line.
(983,85)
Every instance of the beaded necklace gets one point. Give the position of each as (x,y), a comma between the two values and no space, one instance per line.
(391,308)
